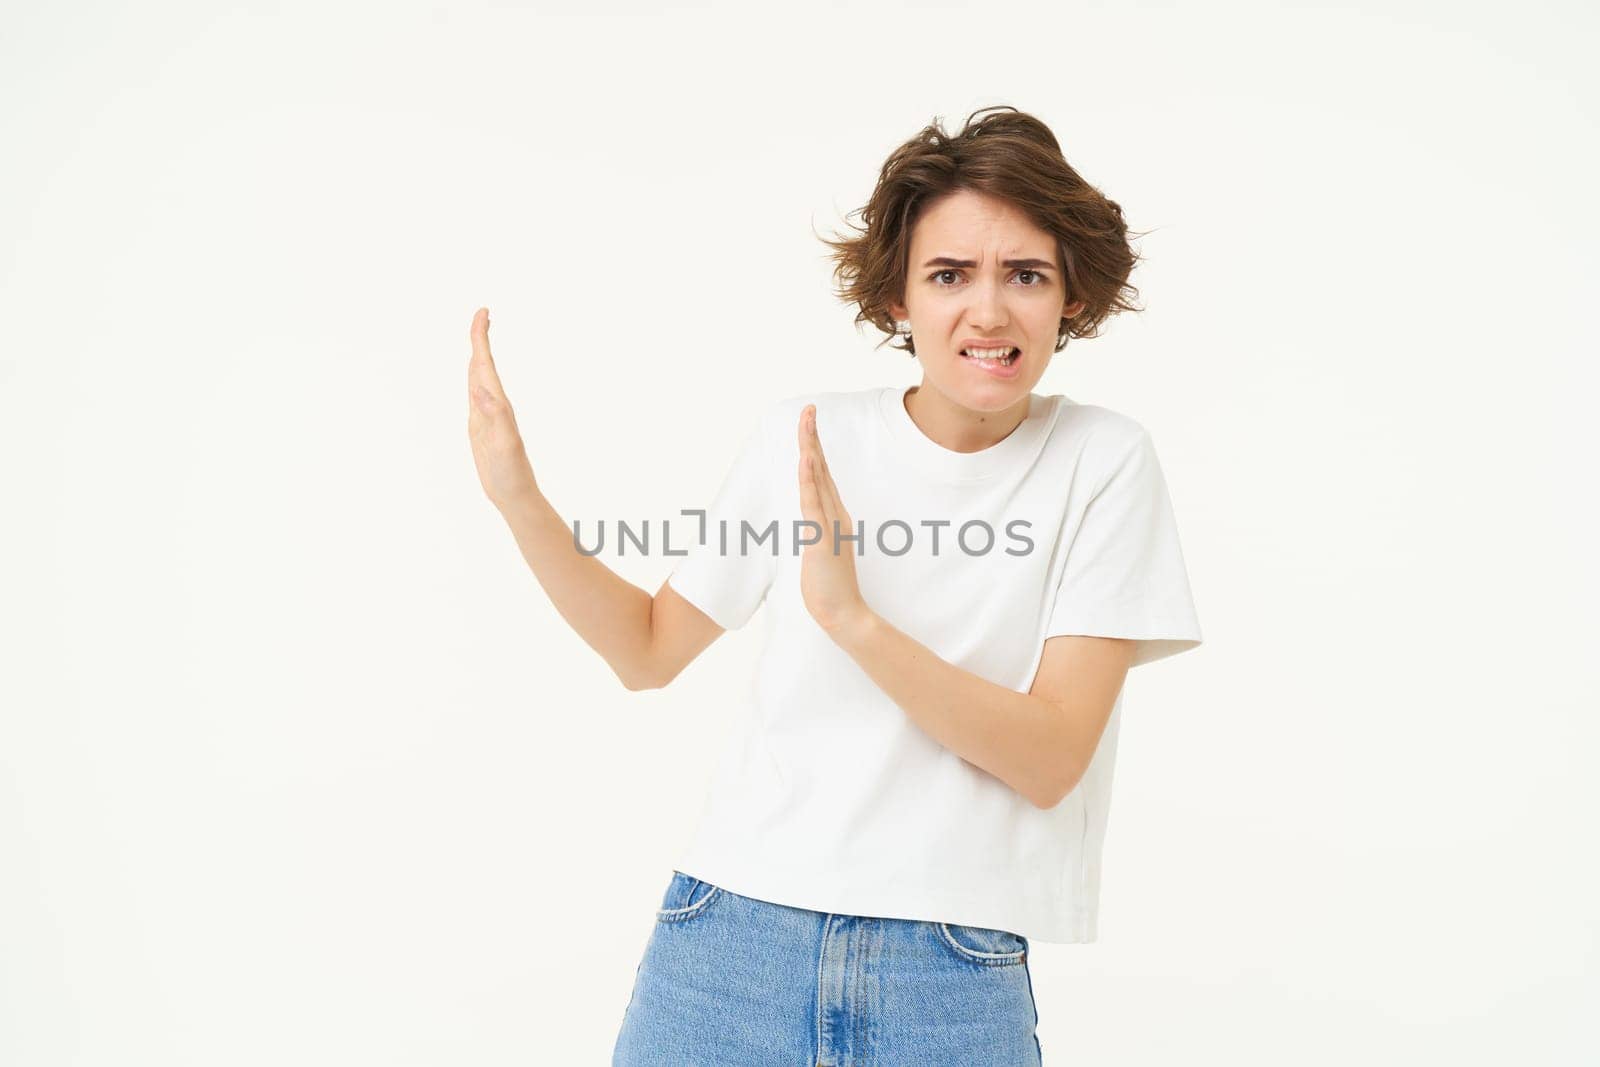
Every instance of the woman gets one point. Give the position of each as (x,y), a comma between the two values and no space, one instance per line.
(958,577)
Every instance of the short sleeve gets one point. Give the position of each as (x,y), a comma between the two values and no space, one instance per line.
(730,559)
(1124,574)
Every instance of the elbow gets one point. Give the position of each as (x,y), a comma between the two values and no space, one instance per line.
(648,676)
(637,683)
(1057,792)
(1055,781)
(639,668)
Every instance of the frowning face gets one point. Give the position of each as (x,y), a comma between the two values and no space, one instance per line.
(982,280)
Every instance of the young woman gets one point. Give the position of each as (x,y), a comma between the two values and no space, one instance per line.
(958,576)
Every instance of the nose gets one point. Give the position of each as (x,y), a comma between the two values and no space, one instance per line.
(988,307)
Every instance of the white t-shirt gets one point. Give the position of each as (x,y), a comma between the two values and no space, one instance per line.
(828,795)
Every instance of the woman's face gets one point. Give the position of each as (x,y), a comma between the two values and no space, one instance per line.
(980,270)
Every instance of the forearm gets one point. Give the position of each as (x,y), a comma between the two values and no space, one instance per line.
(1025,741)
(611,614)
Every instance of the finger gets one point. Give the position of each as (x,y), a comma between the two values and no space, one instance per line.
(810,498)
(478,333)
(816,444)
(829,490)
(802,431)
(836,504)
(827,505)
(485,395)
(803,441)
(481,367)
(817,470)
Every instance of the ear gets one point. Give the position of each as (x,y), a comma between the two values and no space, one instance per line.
(899,312)
(1072,309)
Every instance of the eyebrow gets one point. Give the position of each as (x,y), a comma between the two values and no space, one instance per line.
(1024,264)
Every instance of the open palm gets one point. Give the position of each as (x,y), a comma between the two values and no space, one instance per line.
(827,576)
(497,449)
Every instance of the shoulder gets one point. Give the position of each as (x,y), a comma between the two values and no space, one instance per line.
(1101,440)
(1107,429)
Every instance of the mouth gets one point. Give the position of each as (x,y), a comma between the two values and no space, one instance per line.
(992,357)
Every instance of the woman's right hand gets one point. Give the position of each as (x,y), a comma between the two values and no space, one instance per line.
(497,449)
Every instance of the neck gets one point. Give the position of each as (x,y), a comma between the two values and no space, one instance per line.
(961,429)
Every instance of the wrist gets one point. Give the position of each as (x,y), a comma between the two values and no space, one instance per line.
(522,508)
(854,628)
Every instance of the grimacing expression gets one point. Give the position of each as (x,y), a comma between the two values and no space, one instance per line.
(980,270)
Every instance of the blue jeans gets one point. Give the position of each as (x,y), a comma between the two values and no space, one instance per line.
(731,981)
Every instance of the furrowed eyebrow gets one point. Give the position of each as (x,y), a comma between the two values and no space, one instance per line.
(1021,264)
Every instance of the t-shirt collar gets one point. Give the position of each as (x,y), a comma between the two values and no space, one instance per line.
(1010,453)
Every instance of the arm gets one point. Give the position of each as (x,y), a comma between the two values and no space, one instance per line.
(645,640)
(1038,742)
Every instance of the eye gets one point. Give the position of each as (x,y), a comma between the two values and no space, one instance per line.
(1039,279)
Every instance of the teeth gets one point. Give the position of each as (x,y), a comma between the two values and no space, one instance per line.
(1001,354)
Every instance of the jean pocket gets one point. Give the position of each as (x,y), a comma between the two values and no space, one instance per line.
(980,944)
(686,898)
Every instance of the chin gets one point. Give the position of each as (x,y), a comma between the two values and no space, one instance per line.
(969,389)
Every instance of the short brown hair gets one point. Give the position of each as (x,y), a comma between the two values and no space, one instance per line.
(1010,155)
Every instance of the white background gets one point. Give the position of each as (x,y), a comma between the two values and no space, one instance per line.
(299,765)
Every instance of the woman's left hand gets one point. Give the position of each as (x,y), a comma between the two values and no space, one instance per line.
(827,577)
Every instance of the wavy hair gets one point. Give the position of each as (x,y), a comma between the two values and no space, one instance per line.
(1010,155)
